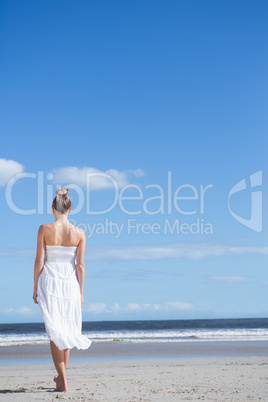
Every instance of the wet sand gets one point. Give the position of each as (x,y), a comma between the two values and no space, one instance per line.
(135,351)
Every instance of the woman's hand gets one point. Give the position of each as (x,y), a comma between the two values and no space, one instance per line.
(35,296)
(82,300)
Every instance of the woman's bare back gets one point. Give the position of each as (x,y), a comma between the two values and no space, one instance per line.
(62,234)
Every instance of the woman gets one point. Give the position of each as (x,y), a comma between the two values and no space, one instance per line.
(59,273)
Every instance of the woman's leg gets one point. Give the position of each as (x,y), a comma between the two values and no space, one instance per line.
(66,357)
(59,362)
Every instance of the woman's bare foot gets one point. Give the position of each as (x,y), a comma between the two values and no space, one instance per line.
(62,388)
(56,379)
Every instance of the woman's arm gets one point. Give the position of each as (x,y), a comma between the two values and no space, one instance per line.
(39,260)
(80,265)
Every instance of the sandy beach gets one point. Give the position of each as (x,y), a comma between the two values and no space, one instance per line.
(209,379)
(209,371)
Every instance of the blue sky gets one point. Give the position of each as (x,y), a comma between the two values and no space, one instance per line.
(164,98)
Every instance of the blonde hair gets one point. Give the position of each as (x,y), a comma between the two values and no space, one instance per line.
(61,202)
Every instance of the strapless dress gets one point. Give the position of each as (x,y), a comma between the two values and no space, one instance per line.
(59,298)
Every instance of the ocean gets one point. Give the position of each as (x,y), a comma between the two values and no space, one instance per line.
(213,330)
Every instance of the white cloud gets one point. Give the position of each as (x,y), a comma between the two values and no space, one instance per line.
(137,307)
(230,279)
(21,310)
(115,308)
(131,273)
(137,172)
(133,306)
(9,168)
(160,251)
(16,252)
(96,308)
(97,179)
(178,306)
(110,253)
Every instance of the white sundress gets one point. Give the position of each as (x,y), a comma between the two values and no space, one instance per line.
(60,300)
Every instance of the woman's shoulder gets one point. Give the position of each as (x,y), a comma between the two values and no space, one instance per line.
(77,230)
(46,230)
(45,227)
